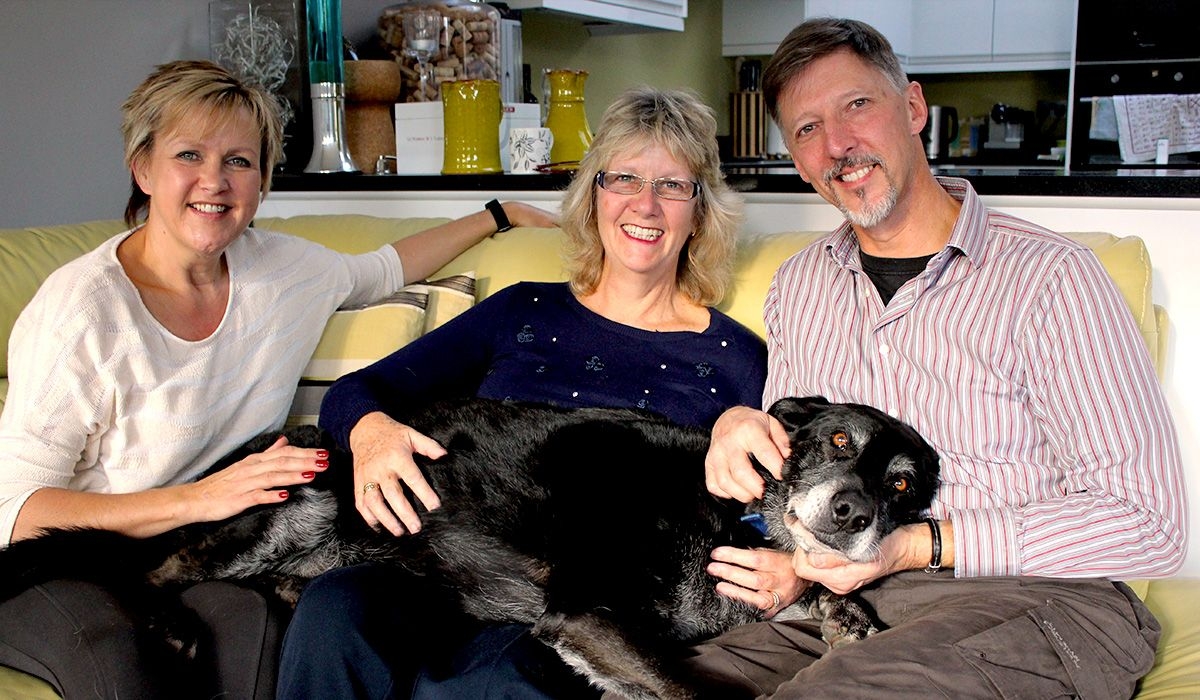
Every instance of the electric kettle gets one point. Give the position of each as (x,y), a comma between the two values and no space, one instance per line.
(940,129)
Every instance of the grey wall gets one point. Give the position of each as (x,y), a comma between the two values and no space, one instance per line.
(67,67)
(69,64)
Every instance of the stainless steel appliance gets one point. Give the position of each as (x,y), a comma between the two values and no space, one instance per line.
(1135,85)
(940,129)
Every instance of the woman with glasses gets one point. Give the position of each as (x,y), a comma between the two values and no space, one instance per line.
(650,229)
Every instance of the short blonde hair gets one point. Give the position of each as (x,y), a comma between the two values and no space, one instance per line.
(183,90)
(681,123)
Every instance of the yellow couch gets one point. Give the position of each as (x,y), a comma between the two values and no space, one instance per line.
(28,255)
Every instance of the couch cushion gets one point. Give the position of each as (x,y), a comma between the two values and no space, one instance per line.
(1176,672)
(448,297)
(349,233)
(21,686)
(354,338)
(518,255)
(29,255)
(758,257)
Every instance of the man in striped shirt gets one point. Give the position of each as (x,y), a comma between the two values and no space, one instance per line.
(1009,348)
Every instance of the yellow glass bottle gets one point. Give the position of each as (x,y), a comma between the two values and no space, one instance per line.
(567,118)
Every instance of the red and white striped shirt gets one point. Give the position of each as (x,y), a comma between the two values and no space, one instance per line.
(1016,356)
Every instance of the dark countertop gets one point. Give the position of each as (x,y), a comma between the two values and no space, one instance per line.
(779,177)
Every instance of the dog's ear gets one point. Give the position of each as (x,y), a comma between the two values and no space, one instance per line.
(797,412)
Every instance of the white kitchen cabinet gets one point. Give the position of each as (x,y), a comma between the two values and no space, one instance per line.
(929,36)
(615,16)
(1034,31)
(949,32)
(756,27)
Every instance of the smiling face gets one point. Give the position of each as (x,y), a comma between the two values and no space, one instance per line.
(204,181)
(642,233)
(850,134)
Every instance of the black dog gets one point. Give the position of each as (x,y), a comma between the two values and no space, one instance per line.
(592,525)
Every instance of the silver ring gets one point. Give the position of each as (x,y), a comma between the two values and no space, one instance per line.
(775,600)
(370,486)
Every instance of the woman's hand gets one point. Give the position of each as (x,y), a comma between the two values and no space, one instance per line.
(521,214)
(739,433)
(763,578)
(253,481)
(256,480)
(383,464)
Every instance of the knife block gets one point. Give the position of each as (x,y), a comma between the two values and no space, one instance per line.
(748,124)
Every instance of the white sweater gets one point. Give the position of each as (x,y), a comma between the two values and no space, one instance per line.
(102,398)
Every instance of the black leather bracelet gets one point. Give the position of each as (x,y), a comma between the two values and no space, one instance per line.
(935,559)
(502,222)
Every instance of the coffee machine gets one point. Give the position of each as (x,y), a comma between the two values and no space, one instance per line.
(1007,126)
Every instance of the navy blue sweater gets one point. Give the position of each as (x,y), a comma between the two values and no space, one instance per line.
(534,341)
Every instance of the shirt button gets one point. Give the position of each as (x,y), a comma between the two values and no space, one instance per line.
(885,350)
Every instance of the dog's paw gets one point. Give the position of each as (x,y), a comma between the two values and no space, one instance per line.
(179,635)
(289,588)
(844,619)
(838,633)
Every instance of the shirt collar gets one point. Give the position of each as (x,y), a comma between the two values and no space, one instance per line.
(969,235)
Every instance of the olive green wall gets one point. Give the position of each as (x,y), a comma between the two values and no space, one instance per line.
(688,59)
(974,94)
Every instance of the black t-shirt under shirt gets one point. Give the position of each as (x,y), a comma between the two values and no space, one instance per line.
(889,274)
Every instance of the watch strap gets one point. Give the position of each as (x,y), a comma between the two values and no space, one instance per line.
(502,222)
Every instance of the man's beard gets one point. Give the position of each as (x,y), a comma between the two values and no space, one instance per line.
(870,215)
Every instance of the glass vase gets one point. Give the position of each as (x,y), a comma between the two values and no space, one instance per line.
(259,42)
(327,88)
(471,127)
(566,117)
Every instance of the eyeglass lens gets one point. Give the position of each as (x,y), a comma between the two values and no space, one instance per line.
(665,187)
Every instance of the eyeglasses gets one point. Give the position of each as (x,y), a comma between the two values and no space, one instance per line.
(665,187)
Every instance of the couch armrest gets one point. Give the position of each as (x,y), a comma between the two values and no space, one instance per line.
(1176,672)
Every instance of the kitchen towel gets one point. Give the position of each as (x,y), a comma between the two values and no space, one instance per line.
(1104,120)
(1142,120)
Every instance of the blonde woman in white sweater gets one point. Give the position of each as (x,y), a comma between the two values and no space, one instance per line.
(142,362)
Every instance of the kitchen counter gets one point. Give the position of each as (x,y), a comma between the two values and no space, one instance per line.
(779,177)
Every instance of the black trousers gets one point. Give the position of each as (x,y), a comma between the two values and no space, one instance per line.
(79,638)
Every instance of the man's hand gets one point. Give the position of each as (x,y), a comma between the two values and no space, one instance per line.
(739,433)
(903,549)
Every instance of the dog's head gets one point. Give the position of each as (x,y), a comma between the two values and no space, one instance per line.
(854,474)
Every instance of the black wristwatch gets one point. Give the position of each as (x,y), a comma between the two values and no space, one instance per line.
(502,222)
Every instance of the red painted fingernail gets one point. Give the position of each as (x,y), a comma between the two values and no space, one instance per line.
(322,454)
(308,475)
(283,494)
(322,463)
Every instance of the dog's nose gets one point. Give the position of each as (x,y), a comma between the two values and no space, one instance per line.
(851,510)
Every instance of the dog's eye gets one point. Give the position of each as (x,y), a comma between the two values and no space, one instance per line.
(840,440)
(900,484)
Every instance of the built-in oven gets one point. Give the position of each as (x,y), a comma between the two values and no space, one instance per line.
(1135,85)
